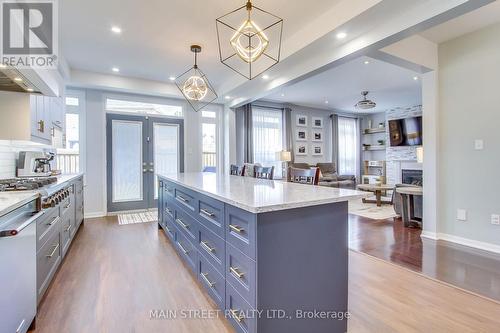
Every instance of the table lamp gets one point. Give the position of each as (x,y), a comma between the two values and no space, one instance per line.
(284,156)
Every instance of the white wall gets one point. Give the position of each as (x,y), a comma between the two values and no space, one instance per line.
(469,81)
(95,193)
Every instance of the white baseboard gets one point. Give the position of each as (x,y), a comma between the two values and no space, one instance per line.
(94,215)
(462,241)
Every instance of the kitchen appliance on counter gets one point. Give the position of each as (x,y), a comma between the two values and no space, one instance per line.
(18,270)
(34,164)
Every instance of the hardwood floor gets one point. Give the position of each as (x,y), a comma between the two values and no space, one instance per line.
(114,275)
(475,271)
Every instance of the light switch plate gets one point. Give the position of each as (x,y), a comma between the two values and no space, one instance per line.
(461,215)
(478,144)
(495,219)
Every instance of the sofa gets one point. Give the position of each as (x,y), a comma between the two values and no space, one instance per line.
(329,176)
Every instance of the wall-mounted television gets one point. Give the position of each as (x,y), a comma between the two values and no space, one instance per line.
(405,132)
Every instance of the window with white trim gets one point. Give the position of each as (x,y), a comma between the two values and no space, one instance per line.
(267,138)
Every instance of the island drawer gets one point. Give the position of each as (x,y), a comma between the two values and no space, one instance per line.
(213,247)
(240,314)
(169,209)
(186,224)
(240,272)
(46,226)
(212,280)
(186,199)
(169,229)
(187,250)
(169,188)
(47,261)
(211,214)
(66,227)
(241,230)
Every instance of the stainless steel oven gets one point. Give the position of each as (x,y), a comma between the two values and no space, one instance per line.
(18,267)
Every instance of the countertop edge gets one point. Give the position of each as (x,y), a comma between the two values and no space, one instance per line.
(270,208)
(20,203)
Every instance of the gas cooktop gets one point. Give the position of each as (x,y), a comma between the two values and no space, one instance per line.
(24,184)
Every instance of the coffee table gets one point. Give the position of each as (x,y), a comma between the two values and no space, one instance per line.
(408,209)
(377,189)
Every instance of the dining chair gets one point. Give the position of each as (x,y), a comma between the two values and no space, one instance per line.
(264,172)
(304,176)
(237,170)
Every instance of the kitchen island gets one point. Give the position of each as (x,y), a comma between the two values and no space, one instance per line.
(273,255)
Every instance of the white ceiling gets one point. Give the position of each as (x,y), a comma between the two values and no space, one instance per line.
(157,34)
(464,24)
(389,85)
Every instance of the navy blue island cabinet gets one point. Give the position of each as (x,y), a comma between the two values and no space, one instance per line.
(272,255)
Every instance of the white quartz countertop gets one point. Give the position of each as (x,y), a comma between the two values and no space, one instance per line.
(259,195)
(12,200)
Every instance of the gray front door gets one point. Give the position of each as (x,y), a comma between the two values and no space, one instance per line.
(138,148)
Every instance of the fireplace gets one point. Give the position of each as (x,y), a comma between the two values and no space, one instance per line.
(412,177)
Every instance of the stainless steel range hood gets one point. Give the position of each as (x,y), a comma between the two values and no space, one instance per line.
(13,80)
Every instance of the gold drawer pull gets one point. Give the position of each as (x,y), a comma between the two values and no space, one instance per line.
(182,224)
(182,248)
(181,198)
(53,251)
(69,205)
(236,228)
(206,247)
(168,210)
(236,273)
(236,316)
(207,213)
(205,277)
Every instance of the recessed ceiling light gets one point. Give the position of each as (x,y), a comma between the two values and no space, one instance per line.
(415,78)
(265,77)
(172,78)
(30,89)
(367,62)
(227,97)
(282,94)
(115,69)
(116,29)
(18,79)
(3,66)
(341,35)
(326,102)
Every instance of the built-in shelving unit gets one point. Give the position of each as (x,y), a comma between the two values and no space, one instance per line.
(368,131)
(373,147)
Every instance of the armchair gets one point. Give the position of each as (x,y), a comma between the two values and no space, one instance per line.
(330,177)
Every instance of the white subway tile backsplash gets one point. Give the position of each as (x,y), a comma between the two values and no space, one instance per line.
(7,162)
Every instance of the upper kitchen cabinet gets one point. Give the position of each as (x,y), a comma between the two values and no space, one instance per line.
(34,118)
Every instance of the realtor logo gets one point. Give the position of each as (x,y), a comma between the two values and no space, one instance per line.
(29,33)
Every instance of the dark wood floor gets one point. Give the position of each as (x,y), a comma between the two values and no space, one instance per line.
(114,275)
(471,270)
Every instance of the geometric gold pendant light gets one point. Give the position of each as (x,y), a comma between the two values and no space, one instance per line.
(195,86)
(249,40)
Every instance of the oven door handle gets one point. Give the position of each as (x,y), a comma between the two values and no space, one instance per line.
(19,227)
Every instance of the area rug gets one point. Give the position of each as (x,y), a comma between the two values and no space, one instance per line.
(142,217)
(371,211)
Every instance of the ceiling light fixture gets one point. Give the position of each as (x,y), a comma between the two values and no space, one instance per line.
(116,30)
(3,66)
(282,94)
(341,35)
(227,97)
(194,84)
(367,62)
(365,104)
(172,78)
(326,102)
(18,79)
(30,90)
(265,77)
(253,46)
(115,69)
(415,78)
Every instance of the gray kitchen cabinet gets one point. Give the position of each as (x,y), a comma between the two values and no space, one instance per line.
(289,260)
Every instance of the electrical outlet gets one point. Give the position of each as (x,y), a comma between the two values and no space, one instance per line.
(478,144)
(461,215)
(495,219)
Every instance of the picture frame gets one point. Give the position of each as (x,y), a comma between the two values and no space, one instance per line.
(301,150)
(317,150)
(317,122)
(301,134)
(301,120)
(317,136)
